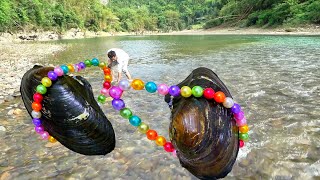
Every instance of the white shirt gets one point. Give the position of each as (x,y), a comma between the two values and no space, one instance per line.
(122,58)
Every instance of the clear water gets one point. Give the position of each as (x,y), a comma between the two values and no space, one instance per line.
(276,79)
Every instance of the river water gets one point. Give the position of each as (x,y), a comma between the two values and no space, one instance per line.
(276,80)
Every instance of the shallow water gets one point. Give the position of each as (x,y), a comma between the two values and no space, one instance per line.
(276,79)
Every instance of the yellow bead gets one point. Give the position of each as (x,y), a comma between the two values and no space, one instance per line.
(46,82)
(52,139)
(108,78)
(244,129)
(137,84)
(143,128)
(186,91)
(70,67)
(160,141)
(102,65)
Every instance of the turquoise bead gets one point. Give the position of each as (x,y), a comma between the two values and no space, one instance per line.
(65,69)
(135,120)
(95,62)
(151,87)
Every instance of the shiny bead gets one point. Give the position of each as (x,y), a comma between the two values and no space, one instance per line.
(52,139)
(41,89)
(46,82)
(186,91)
(65,69)
(107,71)
(235,108)
(102,64)
(143,128)
(44,135)
(115,92)
(151,87)
(102,99)
(160,141)
(36,114)
(239,115)
(244,129)
(70,67)
(76,67)
(36,106)
(124,84)
(39,129)
(135,120)
(228,102)
(137,84)
(118,104)
(36,121)
(106,84)
(208,93)
(197,91)
(163,89)
(87,63)
(174,90)
(241,122)
(168,147)
(37,97)
(174,153)
(241,143)
(104,91)
(244,136)
(52,75)
(219,97)
(82,65)
(95,62)
(108,78)
(151,134)
(58,71)
(126,113)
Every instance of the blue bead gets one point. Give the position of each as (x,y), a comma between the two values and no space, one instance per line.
(36,121)
(135,120)
(95,62)
(65,69)
(151,87)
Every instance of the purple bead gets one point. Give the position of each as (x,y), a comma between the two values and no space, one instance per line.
(52,75)
(115,92)
(45,135)
(36,121)
(174,90)
(39,129)
(82,65)
(118,104)
(239,115)
(235,108)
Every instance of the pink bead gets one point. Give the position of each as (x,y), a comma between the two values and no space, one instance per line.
(104,91)
(45,135)
(115,92)
(58,71)
(241,122)
(168,147)
(174,153)
(163,89)
(239,115)
(241,143)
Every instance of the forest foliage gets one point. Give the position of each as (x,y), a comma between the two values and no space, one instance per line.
(153,15)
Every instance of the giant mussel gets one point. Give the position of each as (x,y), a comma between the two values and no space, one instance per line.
(202,131)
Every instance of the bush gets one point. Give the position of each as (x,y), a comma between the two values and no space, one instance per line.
(213,23)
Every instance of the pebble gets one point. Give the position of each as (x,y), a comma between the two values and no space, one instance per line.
(17,111)
(2,128)
(10,113)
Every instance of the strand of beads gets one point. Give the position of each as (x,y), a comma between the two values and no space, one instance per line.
(46,83)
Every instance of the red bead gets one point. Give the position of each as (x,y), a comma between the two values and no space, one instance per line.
(241,143)
(106,71)
(219,97)
(36,106)
(152,134)
(208,93)
(168,147)
(37,97)
(106,85)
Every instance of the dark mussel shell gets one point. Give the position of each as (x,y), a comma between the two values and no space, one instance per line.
(70,113)
(203,131)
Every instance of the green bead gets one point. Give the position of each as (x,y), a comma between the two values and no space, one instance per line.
(87,63)
(41,89)
(102,99)
(197,91)
(244,136)
(126,113)
(143,128)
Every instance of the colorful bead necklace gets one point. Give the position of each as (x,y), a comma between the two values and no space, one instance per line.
(116,92)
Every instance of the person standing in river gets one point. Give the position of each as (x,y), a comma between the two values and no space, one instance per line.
(118,62)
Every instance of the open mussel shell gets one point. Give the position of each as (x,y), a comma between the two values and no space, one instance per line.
(70,113)
(203,131)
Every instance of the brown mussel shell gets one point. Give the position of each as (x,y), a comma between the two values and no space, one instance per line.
(203,131)
(70,113)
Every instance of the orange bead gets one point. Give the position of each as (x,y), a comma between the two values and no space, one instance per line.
(152,134)
(219,97)
(244,129)
(52,139)
(108,78)
(160,141)
(107,71)
(137,84)
(70,67)
(36,106)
